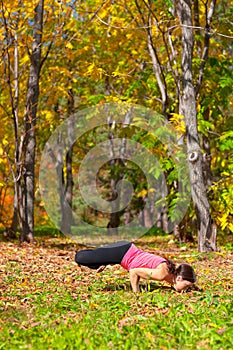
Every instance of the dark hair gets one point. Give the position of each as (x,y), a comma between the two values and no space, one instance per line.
(171,266)
(184,270)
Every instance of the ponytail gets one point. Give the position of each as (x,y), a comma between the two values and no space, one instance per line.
(171,267)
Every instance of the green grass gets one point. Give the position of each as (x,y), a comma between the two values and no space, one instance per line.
(48,303)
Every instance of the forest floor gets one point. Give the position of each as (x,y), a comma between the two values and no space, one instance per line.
(47,302)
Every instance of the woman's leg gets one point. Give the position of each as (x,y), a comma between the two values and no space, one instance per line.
(109,254)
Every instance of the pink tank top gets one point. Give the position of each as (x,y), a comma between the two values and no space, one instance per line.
(136,257)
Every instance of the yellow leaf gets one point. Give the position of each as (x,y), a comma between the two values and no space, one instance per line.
(213,325)
(142,193)
(149,336)
(69,46)
(178,122)
(93,305)
(5,142)
(24,60)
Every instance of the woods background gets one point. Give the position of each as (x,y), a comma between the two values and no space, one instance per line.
(174,57)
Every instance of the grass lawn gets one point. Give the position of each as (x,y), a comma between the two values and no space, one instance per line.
(47,302)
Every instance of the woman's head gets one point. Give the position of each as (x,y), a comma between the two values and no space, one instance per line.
(184,277)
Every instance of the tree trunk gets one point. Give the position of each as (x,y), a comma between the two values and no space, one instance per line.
(207,173)
(206,226)
(67,216)
(29,148)
(14,222)
(114,221)
(14,100)
(148,215)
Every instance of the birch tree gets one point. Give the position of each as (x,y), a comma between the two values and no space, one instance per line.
(205,224)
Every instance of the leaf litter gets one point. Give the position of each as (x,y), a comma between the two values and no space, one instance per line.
(47,275)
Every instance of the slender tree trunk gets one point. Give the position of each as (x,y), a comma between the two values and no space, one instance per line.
(148,21)
(114,221)
(206,226)
(14,222)
(207,173)
(29,148)
(14,100)
(67,217)
(148,215)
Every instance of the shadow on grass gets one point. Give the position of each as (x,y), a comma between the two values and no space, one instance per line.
(147,288)
(114,287)
(127,287)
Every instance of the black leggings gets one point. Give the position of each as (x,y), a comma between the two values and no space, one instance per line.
(109,254)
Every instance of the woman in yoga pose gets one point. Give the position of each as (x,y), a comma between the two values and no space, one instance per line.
(140,264)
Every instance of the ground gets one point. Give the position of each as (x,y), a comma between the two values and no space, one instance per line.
(47,302)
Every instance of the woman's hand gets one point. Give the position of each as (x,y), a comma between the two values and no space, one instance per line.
(101,268)
(134,280)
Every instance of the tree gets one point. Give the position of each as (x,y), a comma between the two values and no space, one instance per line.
(206,226)
(117,175)
(24,140)
(29,147)
(67,218)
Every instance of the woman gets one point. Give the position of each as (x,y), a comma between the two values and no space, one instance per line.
(140,264)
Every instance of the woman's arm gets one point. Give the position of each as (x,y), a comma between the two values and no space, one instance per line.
(158,274)
(134,280)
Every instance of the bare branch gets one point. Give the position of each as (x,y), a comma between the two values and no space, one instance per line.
(120,27)
(209,15)
(212,32)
